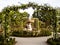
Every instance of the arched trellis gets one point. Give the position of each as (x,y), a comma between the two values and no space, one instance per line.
(34,6)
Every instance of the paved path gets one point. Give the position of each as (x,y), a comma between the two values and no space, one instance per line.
(32,40)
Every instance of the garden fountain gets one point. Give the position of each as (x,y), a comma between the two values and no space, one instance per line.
(28,25)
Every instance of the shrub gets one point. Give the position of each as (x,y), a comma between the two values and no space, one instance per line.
(45,33)
(52,41)
(22,33)
(59,30)
(7,41)
(27,33)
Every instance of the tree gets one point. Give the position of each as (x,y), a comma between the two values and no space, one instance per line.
(10,16)
(44,13)
(47,14)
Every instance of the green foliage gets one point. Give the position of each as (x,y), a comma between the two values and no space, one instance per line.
(10,17)
(59,30)
(7,41)
(45,32)
(44,13)
(27,33)
(47,14)
(21,33)
(52,41)
(36,23)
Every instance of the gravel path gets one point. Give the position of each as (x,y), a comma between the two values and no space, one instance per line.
(32,40)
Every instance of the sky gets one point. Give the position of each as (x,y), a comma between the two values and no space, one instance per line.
(5,3)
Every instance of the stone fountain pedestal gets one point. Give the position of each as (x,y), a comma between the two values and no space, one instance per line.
(28,25)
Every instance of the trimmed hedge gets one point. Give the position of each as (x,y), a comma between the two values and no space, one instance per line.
(45,33)
(52,41)
(23,33)
(31,33)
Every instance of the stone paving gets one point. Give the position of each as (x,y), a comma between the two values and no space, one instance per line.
(31,40)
